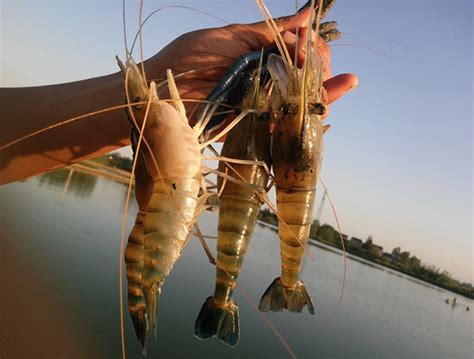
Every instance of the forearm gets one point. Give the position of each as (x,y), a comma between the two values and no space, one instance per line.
(25,110)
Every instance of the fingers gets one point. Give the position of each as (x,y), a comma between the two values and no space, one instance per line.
(287,23)
(290,23)
(339,85)
(287,27)
(291,41)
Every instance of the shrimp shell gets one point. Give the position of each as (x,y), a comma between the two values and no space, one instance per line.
(239,206)
(167,195)
(297,153)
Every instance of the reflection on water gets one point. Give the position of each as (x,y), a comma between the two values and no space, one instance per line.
(69,181)
(61,275)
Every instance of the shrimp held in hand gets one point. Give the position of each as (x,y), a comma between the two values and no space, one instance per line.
(167,194)
(297,153)
(249,145)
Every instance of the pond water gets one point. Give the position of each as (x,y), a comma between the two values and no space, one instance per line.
(59,274)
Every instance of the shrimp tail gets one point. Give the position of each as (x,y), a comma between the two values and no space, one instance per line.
(278,298)
(134,259)
(140,323)
(217,321)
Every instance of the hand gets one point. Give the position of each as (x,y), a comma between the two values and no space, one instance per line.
(210,52)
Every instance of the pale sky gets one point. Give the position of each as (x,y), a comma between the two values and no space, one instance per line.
(398,158)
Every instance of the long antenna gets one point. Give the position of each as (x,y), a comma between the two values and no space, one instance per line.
(320,209)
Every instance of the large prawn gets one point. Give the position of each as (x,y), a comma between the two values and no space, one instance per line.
(167,195)
(239,205)
(249,144)
(297,153)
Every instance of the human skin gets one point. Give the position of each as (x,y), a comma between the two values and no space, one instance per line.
(26,110)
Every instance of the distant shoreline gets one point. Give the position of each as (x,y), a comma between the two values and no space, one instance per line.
(315,241)
(362,260)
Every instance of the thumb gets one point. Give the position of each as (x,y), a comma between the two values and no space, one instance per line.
(290,23)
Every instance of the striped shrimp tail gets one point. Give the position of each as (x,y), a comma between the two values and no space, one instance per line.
(278,298)
(216,321)
(134,254)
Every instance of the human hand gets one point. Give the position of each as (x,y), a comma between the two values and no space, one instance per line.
(210,52)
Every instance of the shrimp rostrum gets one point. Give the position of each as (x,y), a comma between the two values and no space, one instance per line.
(297,152)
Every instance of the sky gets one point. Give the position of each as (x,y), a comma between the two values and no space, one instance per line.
(398,158)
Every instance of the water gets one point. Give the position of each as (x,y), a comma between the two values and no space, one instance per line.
(59,253)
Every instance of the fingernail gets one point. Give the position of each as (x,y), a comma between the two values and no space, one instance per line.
(355,84)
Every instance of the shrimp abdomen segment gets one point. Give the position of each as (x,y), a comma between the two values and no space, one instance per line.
(294,208)
(170,213)
(169,216)
(237,218)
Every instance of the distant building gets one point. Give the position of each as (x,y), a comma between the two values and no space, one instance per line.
(355,243)
(378,250)
(390,257)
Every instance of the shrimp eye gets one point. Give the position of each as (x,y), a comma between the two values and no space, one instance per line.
(317,109)
(286,110)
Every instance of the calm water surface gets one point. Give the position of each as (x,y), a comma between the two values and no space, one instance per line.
(59,261)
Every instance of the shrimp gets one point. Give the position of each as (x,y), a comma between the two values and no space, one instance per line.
(249,142)
(297,152)
(167,196)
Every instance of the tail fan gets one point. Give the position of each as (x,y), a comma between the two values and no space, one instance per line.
(216,321)
(278,298)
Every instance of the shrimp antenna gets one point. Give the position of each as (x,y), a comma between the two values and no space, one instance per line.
(377,37)
(280,43)
(142,58)
(339,228)
(295,60)
(124,24)
(173,7)
(365,47)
